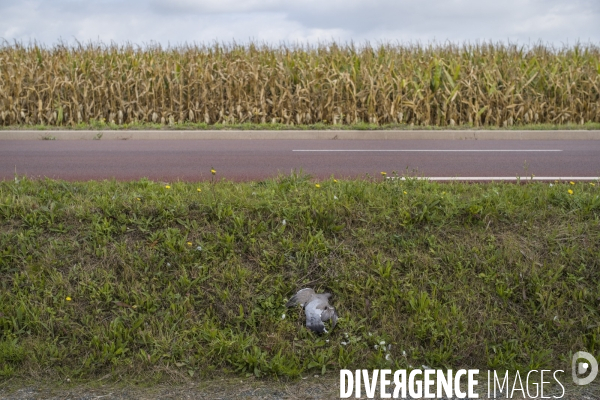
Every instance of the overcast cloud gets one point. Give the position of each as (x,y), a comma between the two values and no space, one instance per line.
(294,21)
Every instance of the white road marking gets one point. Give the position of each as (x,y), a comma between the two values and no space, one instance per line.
(440,151)
(501,178)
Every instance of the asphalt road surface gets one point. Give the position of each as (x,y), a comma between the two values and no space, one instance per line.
(191,160)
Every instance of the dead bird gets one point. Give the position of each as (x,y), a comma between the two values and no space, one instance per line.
(316,307)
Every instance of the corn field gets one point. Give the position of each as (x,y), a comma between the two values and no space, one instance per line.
(480,85)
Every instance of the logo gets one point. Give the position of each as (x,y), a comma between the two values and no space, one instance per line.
(581,368)
(463,383)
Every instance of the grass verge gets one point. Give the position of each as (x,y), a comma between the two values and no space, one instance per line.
(151,280)
(101,125)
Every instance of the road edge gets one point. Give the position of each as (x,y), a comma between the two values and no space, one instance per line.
(299,135)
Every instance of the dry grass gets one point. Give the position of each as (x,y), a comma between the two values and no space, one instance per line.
(479,85)
(321,388)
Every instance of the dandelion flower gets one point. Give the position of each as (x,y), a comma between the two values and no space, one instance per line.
(213,171)
(383,173)
(68,298)
(335,181)
(167,187)
(592,183)
(572,183)
(189,243)
(198,190)
(405,192)
(317,185)
(138,199)
(570,191)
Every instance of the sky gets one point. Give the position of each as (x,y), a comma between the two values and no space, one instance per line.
(177,22)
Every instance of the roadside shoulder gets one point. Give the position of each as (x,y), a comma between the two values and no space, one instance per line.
(300,135)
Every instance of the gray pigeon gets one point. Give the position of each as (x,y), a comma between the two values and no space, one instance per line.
(316,307)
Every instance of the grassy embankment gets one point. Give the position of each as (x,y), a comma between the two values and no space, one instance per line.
(147,280)
(97,125)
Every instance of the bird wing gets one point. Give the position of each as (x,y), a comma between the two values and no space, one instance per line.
(302,297)
(314,311)
(330,314)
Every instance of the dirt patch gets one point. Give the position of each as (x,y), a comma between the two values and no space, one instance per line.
(226,389)
(309,388)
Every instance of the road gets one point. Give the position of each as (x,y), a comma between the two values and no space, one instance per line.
(191,160)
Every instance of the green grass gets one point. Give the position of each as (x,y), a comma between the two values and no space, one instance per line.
(168,282)
(101,125)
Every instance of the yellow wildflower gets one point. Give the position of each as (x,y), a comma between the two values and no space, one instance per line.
(405,192)
(199,190)
(593,184)
(167,187)
(572,183)
(213,171)
(570,191)
(335,181)
(68,298)
(383,173)
(138,199)
(189,243)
